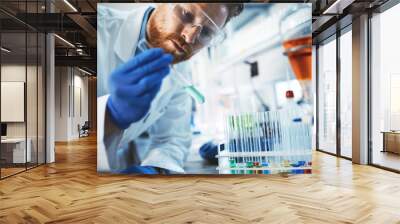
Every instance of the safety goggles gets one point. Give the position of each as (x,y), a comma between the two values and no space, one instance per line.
(190,14)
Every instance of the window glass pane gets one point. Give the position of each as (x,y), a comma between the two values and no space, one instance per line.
(13,86)
(22,88)
(386,89)
(346,94)
(327,96)
(41,98)
(32,86)
(31,97)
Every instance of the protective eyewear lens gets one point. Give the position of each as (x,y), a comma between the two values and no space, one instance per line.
(190,14)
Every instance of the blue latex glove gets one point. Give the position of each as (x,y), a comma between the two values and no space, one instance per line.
(208,151)
(139,170)
(134,85)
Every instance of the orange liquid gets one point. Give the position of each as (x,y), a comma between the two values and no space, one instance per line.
(300,59)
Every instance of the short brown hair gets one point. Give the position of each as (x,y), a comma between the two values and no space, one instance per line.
(234,9)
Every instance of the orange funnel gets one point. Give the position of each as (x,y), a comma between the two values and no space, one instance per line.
(299,53)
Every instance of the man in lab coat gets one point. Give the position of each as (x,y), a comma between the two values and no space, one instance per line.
(136,90)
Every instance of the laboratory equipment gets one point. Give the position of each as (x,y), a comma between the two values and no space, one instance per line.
(265,143)
(299,53)
(179,77)
(295,31)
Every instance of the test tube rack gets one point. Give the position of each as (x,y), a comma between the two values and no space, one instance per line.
(266,143)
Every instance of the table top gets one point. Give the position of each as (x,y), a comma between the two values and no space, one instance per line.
(13,140)
(391,132)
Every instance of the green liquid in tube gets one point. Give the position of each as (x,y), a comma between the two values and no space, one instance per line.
(195,93)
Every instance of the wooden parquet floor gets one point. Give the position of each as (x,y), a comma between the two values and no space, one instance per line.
(70,191)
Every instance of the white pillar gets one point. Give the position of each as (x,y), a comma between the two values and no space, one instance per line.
(50,100)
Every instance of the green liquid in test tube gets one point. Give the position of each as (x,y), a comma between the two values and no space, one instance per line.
(187,85)
(195,93)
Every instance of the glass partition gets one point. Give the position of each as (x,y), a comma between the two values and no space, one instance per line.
(327,96)
(13,105)
(41,97)
(31,99)
(23,91)
(346,93)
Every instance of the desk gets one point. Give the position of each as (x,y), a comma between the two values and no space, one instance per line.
(13,150)
(194,164)
(391,141)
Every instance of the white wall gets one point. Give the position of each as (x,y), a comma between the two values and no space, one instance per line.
(79,117)
(71,93)
(14,73)
(61,103)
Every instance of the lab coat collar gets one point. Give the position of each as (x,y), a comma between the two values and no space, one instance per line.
(128,35)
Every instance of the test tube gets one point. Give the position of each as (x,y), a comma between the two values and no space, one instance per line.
(227,142)
(243,137)
(291,147)
(287,139)
(187,85)
(235,138)
(250,134)
(249,131)
(279,137)
(272,130)
(260,138)
(235,144)
(267,131)
(265,138)
(251,137)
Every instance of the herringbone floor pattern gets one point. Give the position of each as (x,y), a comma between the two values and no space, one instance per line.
(70,191)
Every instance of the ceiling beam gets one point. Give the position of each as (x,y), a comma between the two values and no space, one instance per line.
(89,30)
(82,61)
(338,6)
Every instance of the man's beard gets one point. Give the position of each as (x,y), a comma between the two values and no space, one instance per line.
(159,38)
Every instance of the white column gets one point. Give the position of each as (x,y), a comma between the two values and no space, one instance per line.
(50,94)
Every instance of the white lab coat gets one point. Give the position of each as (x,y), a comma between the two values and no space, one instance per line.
(168,120)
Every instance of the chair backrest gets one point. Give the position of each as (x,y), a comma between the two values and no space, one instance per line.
(86,124)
